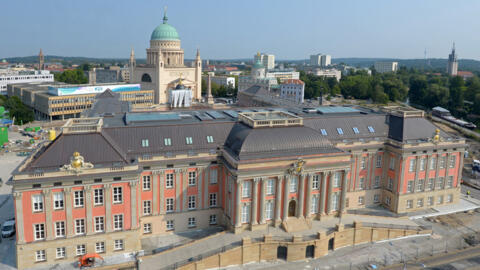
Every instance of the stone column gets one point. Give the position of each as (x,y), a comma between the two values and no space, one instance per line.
(254,209)
(206,182)
(47,197)
(133,203)
(238,204)
(301,195)
(108,206)
(184,189)
(178,190)
(88,207)
(262,199)
(160,180)
(67,195)
(427,171)
(278,199)
(200,188)
(357,172)
(285,197)
(344,192)
(437,170)
(460,168)
(308,207)
(154,181)
(323,195)
(19,217)
(330,192)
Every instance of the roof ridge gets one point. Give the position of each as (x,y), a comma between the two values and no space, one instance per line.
(113,144)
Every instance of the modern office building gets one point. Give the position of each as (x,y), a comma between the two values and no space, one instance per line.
(293,90)
(283,74)
(327,73)
(452,65)
(106,183)
(8,76)
(384,67)
(320,60)
(267,60)
(112,74)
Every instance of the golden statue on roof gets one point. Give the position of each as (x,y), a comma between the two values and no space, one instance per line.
(77,164)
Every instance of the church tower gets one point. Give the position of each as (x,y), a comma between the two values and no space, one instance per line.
(132,64)
(452,66)
(41,61)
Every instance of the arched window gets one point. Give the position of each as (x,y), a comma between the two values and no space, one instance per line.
(146,78)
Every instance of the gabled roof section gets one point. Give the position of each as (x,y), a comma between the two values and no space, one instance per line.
(412,129)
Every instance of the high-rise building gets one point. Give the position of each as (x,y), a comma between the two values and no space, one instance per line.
(452,66)
(131,64)
(321,60)
(383,67)
(268,60)
(41,61)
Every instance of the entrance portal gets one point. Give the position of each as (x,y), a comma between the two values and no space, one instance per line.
(331,243)
(310,251)
(292,205)
(282,253)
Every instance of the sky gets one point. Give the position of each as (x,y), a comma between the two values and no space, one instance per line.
(228,29)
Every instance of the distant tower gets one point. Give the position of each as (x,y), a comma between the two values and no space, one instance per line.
(132,64)
(209,90)
(198,75)
(258,69)
(452,66)
(41,61)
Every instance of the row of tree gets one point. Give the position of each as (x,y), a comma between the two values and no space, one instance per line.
(75,76)
(17,109)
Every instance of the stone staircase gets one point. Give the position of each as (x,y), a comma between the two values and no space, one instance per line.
(294,224)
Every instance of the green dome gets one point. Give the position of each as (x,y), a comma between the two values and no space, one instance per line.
(165,31)
(258,65)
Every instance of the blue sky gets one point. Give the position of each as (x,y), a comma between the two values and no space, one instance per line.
(223,29)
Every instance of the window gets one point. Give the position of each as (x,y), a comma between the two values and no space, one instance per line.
(39,230)
(246,189)
(355,130)
(117,195)
(449,182)
(209,139)
(433,161)
(363,163)
(147,228)
(191,202)
(376,198)
(413,163)
(269,210)
(316,181)
(60,229)
(442,162)
(169,205)
(81,250)
(323,131)
(192,178)
(440,199)
(118,244)
(192,222)
(270,187)
(376,184)
(361,184)
(392,163)
(335,200)
(245,213)
(169,180)
(188,140)
(37,201)
(387,200)
(430,183)
(419,203)
(212,219)
(100,247)
(423,162)
(314,206)
(78,198)
(213,199)
(293,185)
(439,183)
(378,163)
(147,208)
(453,160)
(390,184)
(79,226)
(167,141)
(420,185)
(410,186)
(169,225)
(146,182)
(99,224)
(340,131)
(58,200)
(40,256)
(145,143)
(98,196)
(337,179)
(117,222)
(370,128)
(449,198)
(361,200)
(213,176)
(61,253)
(430,201)
(409,204)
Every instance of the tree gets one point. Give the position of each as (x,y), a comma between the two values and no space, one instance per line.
(17,109)
(457,89)
(75,76)
(418,89)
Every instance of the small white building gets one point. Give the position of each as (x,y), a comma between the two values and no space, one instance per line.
(328,73)
(383,67)
(222,80)
(283,75)
(320,60)
(25,76)
(293,90)
(267,60)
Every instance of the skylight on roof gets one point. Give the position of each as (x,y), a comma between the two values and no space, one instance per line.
(355,130)
(340,131)
(188,140)
(145,143)
(323,131)
(371,129)
(167,141)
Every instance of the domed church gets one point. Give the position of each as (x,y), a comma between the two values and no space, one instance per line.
(165,68)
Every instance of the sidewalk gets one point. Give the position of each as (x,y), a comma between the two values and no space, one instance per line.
(465,204)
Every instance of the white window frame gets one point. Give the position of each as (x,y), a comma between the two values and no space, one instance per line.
(378,162)
(78,198)
(452,161)
(433,161)
(245,218)
(192,202)
(80,226)
(170,225)
(361,200)
(192,178)
(167,141)
(99,223)
(293,185)
(118,244)
(39,231)
(409,204)
(40,255)
(419,202)
(37,203)
(145,143)
(430,184)
(147,228)
(392,163)
(420,185)
(212,199)
(169,180)
(170,203)
(60,229)
(390,184)
(337,179)
(188,140)
(98,196)
(423,162)
(81,250)
(361,183)
(58,201)
(213,176)
(316,181)
(449,183)
(376,198)
(269,210)
(146,182)
(118,222)
(100,247)
(212,219)
(430,201)
(192,222)
(147,208)
(376,181)
(449,198)
(335,201)
(60,253)
(314,206)
(246,189)
(210,139)
(117,195)
(410,186)
(363,163)
(412,164)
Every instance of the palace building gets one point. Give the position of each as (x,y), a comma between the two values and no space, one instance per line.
(103,184)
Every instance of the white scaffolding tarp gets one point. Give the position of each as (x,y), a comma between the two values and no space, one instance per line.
(180,98)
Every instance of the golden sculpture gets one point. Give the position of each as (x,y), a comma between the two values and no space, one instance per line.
(77,164)
(297,167)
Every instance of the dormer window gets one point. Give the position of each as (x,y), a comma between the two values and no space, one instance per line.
(209,139)
(145,143)
(355,130)
(340,131)
(167,141)
(188,140)
(370,128)
(323,131)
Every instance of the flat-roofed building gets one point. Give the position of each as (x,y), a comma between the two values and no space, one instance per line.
(8,76)
(388,66)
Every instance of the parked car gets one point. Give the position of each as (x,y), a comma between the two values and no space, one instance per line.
(8,228)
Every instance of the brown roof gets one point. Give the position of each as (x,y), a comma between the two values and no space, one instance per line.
(293,81)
